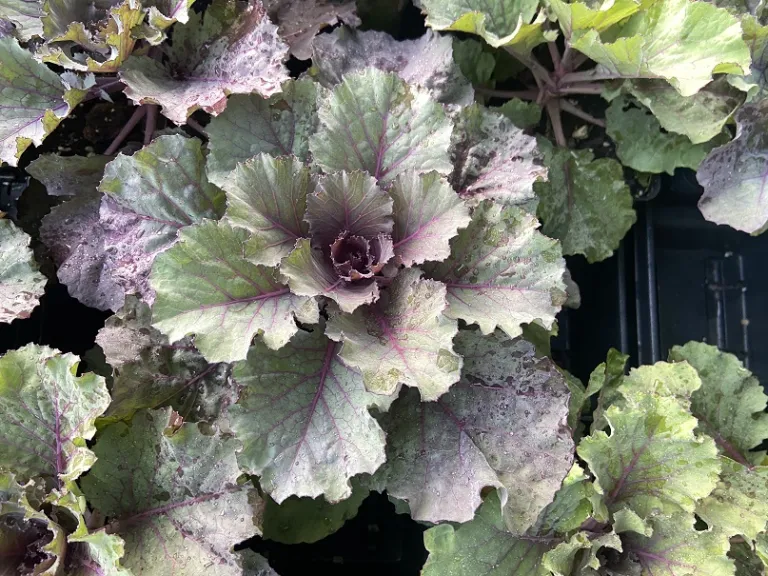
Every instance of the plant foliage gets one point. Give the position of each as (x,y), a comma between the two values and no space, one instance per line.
(343,281)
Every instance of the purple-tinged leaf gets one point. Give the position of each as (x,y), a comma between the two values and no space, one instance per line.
(172,494)
(23,16)
(299,21)
(373,121)
(403,338)
(735,175)
(502,271)
(151,373)
(427,214)
(278,125)
(68,175)
(21,283)
(426,62)
(268,196)
(47,414)
(303,419)
(309,271)
(494,159)
(503,425)
(33,100)
(149,196)
(209,60)
(74,236)
(207,285)
(347,203)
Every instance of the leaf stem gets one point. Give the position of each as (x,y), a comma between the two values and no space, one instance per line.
(566,106)
(582,88)
(554,53)
(540,73)
(553,110)
(151,123)
(127,129)
(197,127)
(522,94)
(591,75)
(565,62)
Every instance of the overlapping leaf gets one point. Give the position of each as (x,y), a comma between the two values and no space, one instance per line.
(734,175)
(426,62)
(207,285)
(33,100)
(151,373)
(299,21)
(374,121)
(502,272)
(754,83)
(303,419)
(47,413)
(68,175)
(172,495)
(209,60)
(402,339)
(494,159)
(427,214)
(278,125)
(21,283)
(586,204)
(682,42)
(643,146)
(502,426)
(24,15)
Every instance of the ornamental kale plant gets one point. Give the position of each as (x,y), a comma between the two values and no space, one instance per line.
(333,282)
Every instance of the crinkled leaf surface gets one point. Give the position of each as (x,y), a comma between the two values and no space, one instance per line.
(754,83)
(503,425)
(493,158)
(576,17)
(427,214)
(151,373)
(730,403)
(586,204)
(606,379)
(676,548)
(278,125)
(209,60)
(207,285)
(739,503)
(682,42)
(96,553)
(149,197)
(163,13)
(21,283)
(299,520)
(643,146)
(94,36)
(75,237)
(734,176)
(268,197)
(303,419)
(68,175)
(47,413)
(502,272)
(700,117)
(172,495)
(426,62)
(299,21)
(33,100)
(498,23)
(309,272)
(374,121)
(402,339)
(24,15)
(651,460)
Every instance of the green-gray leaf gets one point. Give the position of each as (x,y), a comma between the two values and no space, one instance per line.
(303,419)
(374,121)
(21,283)
(24,15)
(502,271)
(172,495)
(47,414)
(586,204)
(207,285)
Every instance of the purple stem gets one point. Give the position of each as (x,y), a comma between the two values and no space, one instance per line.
(566,106)
(151,123)
(129,126)
(197,127)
